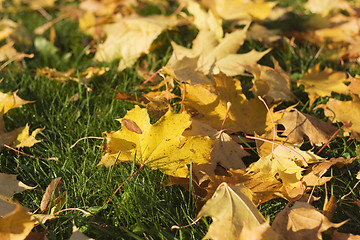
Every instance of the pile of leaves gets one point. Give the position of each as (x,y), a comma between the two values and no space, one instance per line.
(221,118)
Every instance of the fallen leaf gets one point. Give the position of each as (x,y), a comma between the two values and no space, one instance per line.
(230,210)
(16,225)
(10,185)
(130,125)
(10,100)
(160,146)
(212,103)
(321,83)
(325,7)
(344,112)
(263,34)
(285,163)
(77,235)
(344,236)
(129,38)
(211,56)
(354,86)
(301,221)
(262,190)
(262,232)
(23,139)
(52,188)
(205,20)
(298,124)
(314,175)
(270,84)
(240,9)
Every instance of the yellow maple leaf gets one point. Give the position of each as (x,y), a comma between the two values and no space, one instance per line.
(205,20)
(10,100)
(160,145)
(212,56)
(19,137)
(240,9)
(321,83)
(344,112)
(211,103)
(128,39)
(16,225)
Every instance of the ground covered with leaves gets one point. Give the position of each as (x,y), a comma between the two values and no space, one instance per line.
(184,119)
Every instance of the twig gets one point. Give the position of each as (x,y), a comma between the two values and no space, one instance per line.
(272,121)
(352,190)
(313,189)
(332,136)
(181,227)
(75,209)
(152,76)
(18,151)
(228,105)
(84,139)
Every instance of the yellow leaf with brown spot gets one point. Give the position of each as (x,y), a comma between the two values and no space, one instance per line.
(159,146)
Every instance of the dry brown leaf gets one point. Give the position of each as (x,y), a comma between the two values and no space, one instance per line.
(301,221)
(52,188)
(321,83)
(314,175)
(262,190)
(298,124)
(70,75)
(262,34)
(130,125)
(344,236)
(330,207)
(230,209)
(270,84)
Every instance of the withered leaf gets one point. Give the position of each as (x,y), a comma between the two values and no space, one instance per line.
(298,124)
(130,125)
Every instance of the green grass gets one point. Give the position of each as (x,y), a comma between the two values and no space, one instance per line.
(143,208)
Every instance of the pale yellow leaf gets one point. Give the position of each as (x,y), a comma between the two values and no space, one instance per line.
(128,39)
(9,185)
(231,209)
